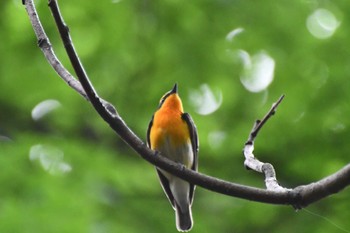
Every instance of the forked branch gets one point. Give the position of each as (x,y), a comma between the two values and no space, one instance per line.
(297,197)
(252,163)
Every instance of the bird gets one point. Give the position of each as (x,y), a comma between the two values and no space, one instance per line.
(173,134)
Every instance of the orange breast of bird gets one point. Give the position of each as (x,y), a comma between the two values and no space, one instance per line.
(168,126)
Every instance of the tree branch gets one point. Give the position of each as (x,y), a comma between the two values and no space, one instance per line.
(327,186)
(252,163)
(298,197)
(46,48)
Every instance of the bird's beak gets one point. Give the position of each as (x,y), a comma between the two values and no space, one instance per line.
(174,90)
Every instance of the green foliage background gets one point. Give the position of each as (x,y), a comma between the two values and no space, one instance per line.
(134,51)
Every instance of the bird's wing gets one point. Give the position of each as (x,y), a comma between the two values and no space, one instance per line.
(194,138)
(149,132)
(166,187)
(195,146)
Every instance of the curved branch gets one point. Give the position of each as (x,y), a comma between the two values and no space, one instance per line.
(323,188)
(299,197)
(46,48)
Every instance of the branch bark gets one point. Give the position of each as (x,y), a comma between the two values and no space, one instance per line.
(298,197)
(252,163)
(46,47)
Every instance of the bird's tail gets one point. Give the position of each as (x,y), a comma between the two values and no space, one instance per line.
(184,220)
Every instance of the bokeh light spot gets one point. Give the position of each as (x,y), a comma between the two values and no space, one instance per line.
(322,23)
(4,138)
(232,34)
(216,138)
(338,127)
(258,70)
(43,108)
(50,158)
(204,100)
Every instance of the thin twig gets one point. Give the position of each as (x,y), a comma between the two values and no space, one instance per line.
(260,123)
(252,162)
(46,48)
(72,54)
(106,109)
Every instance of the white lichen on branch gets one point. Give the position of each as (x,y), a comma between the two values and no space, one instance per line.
(251,162)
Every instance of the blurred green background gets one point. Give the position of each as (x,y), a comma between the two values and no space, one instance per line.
(62,169)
